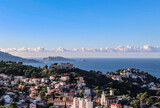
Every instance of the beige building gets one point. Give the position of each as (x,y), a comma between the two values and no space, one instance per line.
(106,101)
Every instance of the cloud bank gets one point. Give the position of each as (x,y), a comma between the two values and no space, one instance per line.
(120,51)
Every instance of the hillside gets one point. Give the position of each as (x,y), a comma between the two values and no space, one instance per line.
(8,57)
(93,79)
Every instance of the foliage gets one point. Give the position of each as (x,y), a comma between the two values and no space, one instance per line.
(157,104)
(13,105)
(135,103)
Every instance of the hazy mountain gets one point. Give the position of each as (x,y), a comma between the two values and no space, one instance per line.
(8,57)
(48,59)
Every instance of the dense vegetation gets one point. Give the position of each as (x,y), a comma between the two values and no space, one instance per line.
(13,68)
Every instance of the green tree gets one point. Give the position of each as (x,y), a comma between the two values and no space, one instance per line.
(12,77)
(42,94)
(135,103)
(81,94)
(157,104)
(1,106)
(97,87)
(45,67)
(145,95)
(158,93)
(13,105)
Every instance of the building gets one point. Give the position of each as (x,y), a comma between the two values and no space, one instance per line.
(65,78)
(82,103)
(32,105)
(106,101)
(62,103)
(67,66)
(87,91)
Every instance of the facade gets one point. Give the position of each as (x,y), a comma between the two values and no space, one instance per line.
(63,103)
(82,103)
(106,101)
(67,66)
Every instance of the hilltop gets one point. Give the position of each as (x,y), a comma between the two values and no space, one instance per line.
(8,57)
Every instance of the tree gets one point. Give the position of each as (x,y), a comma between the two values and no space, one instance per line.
(97,87)
(145,95)
(148,103)
(81,94)
(135,103)
(12,77)
(42,94)
(98,94)
(13,105)
(1,92)
(157,104)
(1,106)
(52,95)
(158,93)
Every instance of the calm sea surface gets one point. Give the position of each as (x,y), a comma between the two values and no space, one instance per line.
(112,64)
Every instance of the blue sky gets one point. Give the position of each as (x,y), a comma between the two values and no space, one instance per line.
(79,23)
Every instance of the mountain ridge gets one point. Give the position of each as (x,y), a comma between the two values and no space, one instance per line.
(9,57)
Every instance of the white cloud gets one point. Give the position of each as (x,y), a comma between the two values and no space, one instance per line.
(82,52)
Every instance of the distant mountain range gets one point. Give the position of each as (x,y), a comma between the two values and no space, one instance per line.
(57,58)
(8,57)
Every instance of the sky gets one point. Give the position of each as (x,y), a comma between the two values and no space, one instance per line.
(70,26)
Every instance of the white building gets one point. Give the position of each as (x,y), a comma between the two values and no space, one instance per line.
(87,91)
(65,78)
(7,99)
(82,103)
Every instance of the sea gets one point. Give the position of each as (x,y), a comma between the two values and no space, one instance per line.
(150,65)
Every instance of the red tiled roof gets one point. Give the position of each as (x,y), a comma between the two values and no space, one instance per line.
(115,104)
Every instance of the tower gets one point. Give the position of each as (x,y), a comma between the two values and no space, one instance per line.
(111,92)
(103,98)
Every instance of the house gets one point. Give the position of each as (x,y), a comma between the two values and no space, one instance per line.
(116,77)
(52,78)
(87,91)
(4,76)
(81,85)
(19,77)
(36,99)
(44,80)
(81,80)
(32,105)
(115,105)
(13,83)
(7,99)
(65,78)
